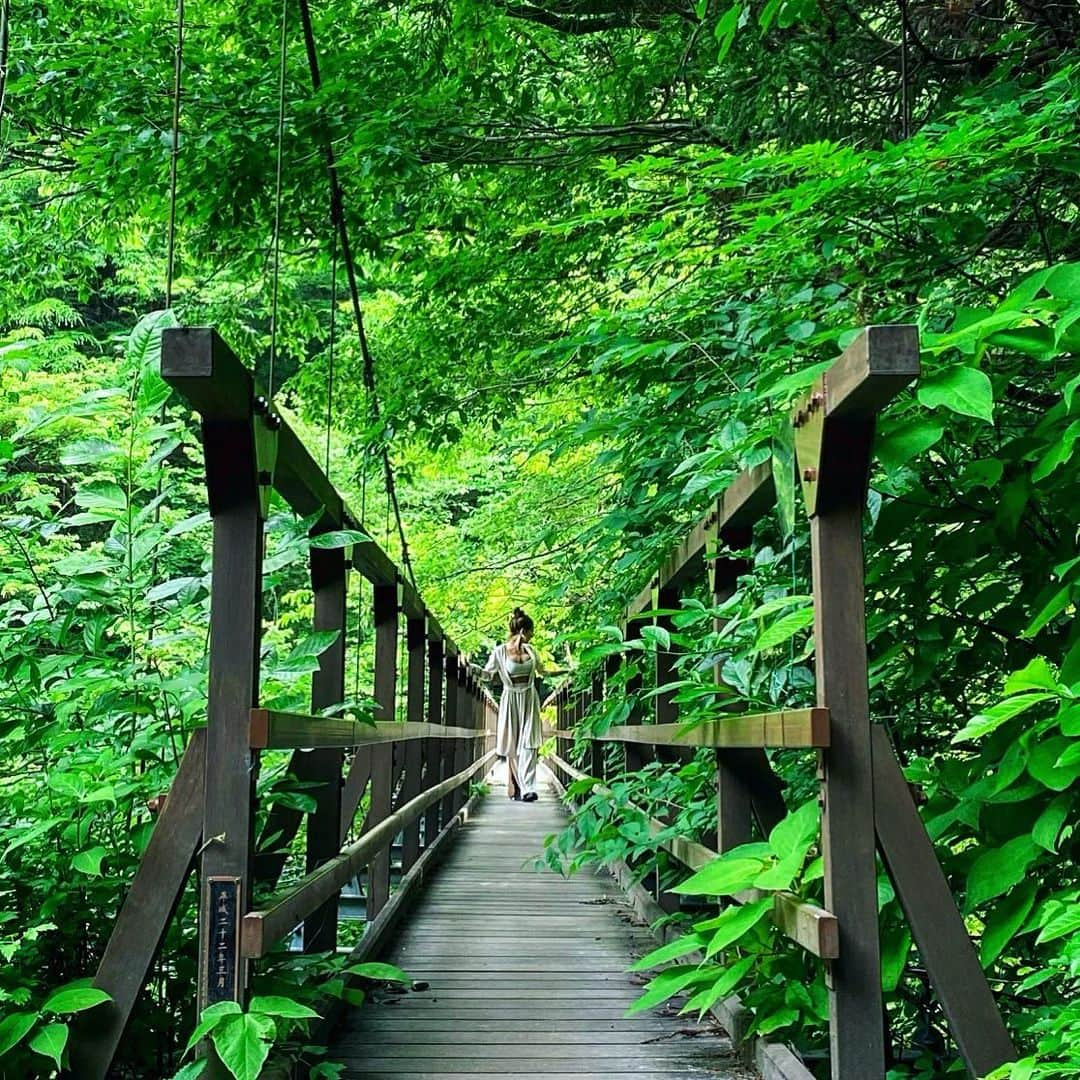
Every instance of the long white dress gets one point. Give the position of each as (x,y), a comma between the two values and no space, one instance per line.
(518,733)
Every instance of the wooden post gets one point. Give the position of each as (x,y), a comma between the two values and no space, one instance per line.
(463,747)
(833,440)
(416,645)
(387,606)
(324,765)
(233,484)
(433,755)
(636,755)
(666,711)
(596,749)
(448,747)
(733,803)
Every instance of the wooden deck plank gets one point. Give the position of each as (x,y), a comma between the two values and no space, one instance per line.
(526,974)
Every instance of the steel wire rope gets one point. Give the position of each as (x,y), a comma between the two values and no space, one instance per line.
(278,171)
(174,156)
(337,209)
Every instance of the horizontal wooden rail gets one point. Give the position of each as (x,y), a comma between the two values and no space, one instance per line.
(297,731)
(808,925)
(814,928)
(793,729)
(261,929)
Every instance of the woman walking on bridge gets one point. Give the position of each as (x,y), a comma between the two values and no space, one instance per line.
(516,664)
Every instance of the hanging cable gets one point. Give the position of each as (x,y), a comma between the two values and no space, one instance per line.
(178,74)
(337,207)
(333,335)
(276,242)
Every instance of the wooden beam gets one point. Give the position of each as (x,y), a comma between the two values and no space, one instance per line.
(872,370)
(812,927)
(281,731)
(749,497)
(328,583)
(144,916)
(793,728)
(262,929)
(936,924)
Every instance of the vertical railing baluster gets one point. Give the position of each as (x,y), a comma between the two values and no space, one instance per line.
(387,606)
(433,750)
(416,647)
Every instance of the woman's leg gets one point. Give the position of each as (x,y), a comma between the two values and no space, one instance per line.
(513,784)
(526,769)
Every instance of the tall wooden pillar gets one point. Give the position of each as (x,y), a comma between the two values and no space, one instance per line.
(464,719)
(387,605)
(324,765)
(433,749)
(416,647)
(449,746)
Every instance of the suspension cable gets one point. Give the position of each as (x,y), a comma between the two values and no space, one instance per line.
(276,242)
(178,73)
(337,208)
(333,336)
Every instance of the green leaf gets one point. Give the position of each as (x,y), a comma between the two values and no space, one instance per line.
(724,876)
(13,1029)
(101,495)
(726,28)
(74,999)
(89,861)
(1045,762)
(1046,829)
(783,629)
(999,870)
(671,982)
(212,1015)
(282,1006)
(241,1046)
(797,831)
(1006,918)
(907,442)
(89,452)
(192,1070)
(50,1042)
(1037,675)
(774,1021)
(1067,922)
(962,390)
(721,987)
(688,943)
(736,921)
(378,972)
(339,538)
(996,715)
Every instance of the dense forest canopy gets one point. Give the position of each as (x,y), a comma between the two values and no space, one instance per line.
(601,247)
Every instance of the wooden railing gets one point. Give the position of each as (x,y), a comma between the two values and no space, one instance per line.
(867,806)
(414,774)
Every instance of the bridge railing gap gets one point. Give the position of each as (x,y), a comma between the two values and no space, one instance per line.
(411,771)
(867,806)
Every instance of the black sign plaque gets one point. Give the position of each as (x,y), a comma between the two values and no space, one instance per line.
(222,940)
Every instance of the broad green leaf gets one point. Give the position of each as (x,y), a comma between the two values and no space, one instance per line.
(907,442)
(1067,922)
(89,451)
(796,831)
(1046,829)
(89,861)
(13,1029)
(339,538)
(241,1046)
(657,636)
(688,943)
(999,870)
(671,982)
(50,1042)
(895,949)
(212,1015)
(996,715)
(962,390)
(721,987)
(74,999)
(101,495)
(192,1070)
(1037,675)
(282,1006)
(1007,916)
(722,877)
(1050,610)
(1045,762)
(736,921)
(776,1020)
(784,629)
(379,972)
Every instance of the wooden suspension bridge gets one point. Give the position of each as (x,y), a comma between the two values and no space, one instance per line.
(525,973)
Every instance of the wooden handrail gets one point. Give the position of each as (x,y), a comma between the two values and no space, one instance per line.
(272,730)
(792,729)
(261,929)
